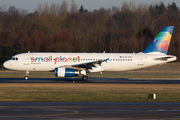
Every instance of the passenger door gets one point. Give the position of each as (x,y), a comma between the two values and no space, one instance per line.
(26,59)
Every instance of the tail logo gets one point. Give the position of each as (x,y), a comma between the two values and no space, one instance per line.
(162,41)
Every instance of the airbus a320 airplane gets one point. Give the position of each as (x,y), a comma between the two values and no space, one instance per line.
(74,64)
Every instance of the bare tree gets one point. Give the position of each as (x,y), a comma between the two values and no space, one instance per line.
(23,13)
(58,9)
(124,6)
(40,8)
(46,8)
(115,10)
(64,7)
(53,8)
(73,7)
(12,10)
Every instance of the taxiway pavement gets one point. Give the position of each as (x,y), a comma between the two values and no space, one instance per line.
(91,80)
(89,110)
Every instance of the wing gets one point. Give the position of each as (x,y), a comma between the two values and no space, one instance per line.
(87,65)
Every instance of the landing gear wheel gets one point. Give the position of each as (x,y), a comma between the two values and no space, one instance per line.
(85,77)
(26,77)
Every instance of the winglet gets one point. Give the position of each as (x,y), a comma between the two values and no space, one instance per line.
(161,42)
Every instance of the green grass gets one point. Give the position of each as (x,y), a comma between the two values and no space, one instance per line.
(84,92)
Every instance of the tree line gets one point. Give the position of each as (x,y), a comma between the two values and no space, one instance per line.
(66,28)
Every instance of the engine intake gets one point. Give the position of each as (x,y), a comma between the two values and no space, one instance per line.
(66,72)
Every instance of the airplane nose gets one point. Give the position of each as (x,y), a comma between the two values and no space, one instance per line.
(6,65)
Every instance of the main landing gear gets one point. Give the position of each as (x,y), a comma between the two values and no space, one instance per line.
(85,77)
(27,75)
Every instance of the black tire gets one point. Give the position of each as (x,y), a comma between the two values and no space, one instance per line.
(26,77)
(85,77)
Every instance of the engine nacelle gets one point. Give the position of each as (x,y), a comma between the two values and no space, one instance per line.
(66,72)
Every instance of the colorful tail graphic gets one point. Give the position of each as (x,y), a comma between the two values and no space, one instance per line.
(161,42)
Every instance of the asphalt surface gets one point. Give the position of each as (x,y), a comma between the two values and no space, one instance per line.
(91,80)
(89,110)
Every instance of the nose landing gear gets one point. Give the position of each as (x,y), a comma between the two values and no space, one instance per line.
(27,75)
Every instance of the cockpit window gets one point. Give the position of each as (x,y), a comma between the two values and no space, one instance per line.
(14,58)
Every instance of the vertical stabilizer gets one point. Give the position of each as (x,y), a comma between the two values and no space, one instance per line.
(161,42)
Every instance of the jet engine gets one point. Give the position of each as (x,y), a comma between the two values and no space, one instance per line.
(66,72)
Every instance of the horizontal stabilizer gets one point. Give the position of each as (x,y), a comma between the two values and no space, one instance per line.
(163,58)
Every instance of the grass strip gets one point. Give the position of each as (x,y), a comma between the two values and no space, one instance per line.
(85,92)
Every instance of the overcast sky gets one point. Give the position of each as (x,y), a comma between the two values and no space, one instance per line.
(31,5)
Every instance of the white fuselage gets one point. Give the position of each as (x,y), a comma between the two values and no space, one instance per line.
(116,62)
